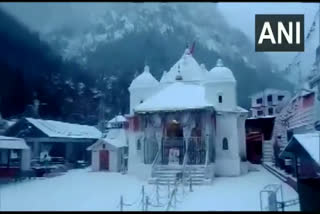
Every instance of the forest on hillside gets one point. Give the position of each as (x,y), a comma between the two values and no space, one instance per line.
(31,68)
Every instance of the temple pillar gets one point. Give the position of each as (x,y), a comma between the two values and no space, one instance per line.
(157,125)
(4,159)
(25,159)
(36,149)
(188,123)
(69,151)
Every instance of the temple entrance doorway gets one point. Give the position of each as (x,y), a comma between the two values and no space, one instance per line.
(173,145)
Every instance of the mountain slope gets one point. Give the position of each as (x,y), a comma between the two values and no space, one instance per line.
(119,43)
(30,70)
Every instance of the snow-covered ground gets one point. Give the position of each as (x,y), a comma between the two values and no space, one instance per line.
(236,193)
(82,190)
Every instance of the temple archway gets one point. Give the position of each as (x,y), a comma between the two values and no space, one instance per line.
(174,129)
(173,145)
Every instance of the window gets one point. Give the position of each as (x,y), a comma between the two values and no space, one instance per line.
(260,113)
(103,146)
(270,111)
(138,145)
(141,101)
(259,101)
(269,98)
(280,97)
(225,145)
(220,98)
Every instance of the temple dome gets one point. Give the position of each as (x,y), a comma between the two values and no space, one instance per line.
(144,80)
(220,73)
(189,69)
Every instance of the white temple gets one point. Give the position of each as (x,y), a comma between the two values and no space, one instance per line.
(188,120)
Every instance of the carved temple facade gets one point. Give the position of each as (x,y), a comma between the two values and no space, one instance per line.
(190,117)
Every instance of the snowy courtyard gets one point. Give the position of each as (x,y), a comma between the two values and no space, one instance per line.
(82,190)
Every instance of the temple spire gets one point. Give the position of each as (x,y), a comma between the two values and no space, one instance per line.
(179,76)
(192,47)
(219,63)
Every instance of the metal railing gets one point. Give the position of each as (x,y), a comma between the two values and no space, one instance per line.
(197,148)
(196,151)
(185,159)
(156,159)
(155,163)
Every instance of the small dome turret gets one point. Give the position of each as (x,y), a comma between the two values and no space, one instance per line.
(220,73)
(144,80)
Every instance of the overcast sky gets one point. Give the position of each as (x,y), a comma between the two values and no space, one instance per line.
(43,16)
(242,15)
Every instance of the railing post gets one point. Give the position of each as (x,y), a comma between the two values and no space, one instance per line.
(175,197)
(190,186)
(121,203)
(147,203)
(207,149)
(183,190)
(168,189)
(157,192)
(142,198)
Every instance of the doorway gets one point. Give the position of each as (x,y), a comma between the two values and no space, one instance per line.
(254,147)
(104,160)
(173,145)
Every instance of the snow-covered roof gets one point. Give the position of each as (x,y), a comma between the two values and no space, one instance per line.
(65,130)
(144,80)
(115,137)
(220,73)
(187,67)
(261,117)
(240,109)
(237,109)
(306,92)
(12,143)
(118,119)
(311,143)
(177,96)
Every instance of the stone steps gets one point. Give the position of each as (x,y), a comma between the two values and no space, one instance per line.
(164,175)
(267,151)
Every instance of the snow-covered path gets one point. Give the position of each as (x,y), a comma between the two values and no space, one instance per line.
(83,190)
(235,193)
